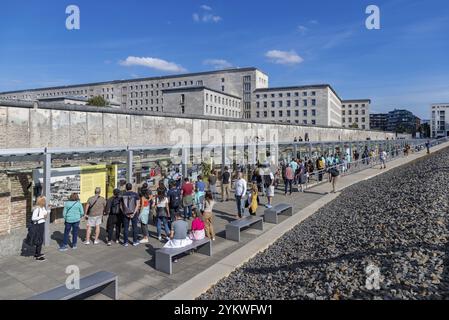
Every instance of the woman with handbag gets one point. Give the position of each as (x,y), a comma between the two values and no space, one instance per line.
(36,230)
(162,215)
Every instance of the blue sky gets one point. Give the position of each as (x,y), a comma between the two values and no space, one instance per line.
(403,65)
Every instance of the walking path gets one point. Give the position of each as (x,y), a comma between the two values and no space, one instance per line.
(22,277)
(202,282)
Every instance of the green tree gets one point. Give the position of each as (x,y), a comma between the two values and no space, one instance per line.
(354,126)
(97,101)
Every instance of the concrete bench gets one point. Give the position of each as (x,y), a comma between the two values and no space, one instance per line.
(233,229)
(103,281)
(164,256)
(271,215)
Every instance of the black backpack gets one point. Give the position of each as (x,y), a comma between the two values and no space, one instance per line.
(129,204)
(174,198)
(267,181)
(334,172)
(116,206)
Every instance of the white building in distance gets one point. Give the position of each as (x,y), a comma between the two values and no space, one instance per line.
(356,113)
(439,123)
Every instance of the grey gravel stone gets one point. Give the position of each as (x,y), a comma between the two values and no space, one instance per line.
(397,222)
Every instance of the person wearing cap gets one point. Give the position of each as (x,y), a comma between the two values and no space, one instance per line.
(94,209)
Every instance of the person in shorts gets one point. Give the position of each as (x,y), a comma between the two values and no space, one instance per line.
(94,209)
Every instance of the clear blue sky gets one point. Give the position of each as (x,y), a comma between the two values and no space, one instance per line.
(405,64)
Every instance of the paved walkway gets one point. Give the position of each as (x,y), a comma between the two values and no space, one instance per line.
(22,277)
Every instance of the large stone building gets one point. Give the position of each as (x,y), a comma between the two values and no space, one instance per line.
(305,105)
(147,94)
(439,123)
(233,93)
(400,120)
(355,113)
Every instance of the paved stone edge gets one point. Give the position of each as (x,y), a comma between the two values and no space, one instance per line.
(202,282)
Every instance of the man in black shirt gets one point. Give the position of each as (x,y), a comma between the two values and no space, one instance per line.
(225,185)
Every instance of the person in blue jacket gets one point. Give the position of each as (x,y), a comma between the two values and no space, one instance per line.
(72,214)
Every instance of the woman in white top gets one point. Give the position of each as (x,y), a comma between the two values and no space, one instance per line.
(36,231)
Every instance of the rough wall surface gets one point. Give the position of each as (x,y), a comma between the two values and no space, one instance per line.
(70,127)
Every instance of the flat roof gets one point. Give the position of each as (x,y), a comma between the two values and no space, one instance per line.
(200,88)
(233,70)
(355,100)
(305,87)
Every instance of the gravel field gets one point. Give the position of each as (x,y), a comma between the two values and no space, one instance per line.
(396,223)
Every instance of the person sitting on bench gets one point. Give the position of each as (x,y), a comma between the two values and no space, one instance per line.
(178,234)
(198,228)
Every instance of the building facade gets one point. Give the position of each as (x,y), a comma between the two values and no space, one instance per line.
(306,105)
(202,101)
(147,94)
(356,114)
(378,121)
(400,120)
(439,123)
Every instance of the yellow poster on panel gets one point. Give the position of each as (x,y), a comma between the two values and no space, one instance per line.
(112,173)
(91,178)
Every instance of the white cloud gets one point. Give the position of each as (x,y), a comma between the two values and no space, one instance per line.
(302,29)
(206,16)
(153,63)
(284,57)
(218,63)
(337,39)
(313,21)
(205,7)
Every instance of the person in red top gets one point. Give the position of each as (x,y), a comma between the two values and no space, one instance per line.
(187,198)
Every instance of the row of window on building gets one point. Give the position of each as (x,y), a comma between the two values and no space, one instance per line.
(355,106)
(356,112)
(222,100)
(212,110)
(288,113)
(288,94)
(363,120)
(147,102)
(288,103)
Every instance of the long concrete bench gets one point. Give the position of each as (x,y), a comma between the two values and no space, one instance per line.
(233,229)
(271,215)
(164,256)
(103,281)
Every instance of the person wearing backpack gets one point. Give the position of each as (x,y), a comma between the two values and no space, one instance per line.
(94,209)
(333,176)
(269,186)
(73,212)
(131,207)
(174,201)
(115,216)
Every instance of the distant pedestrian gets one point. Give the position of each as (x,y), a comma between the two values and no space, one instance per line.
(383,159)
(94,210)
(187,193)
(36,230)
(131,207)
(253,200)
(226,185)
(174,201)
(162,215)
(240,192)
(208,216)
(428,146)
(269,184)
(72,214)
(289,177)
(213,183)
(114,211)
(146,203)
(333,177)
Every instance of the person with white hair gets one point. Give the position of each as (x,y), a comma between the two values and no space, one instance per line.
(94,210)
